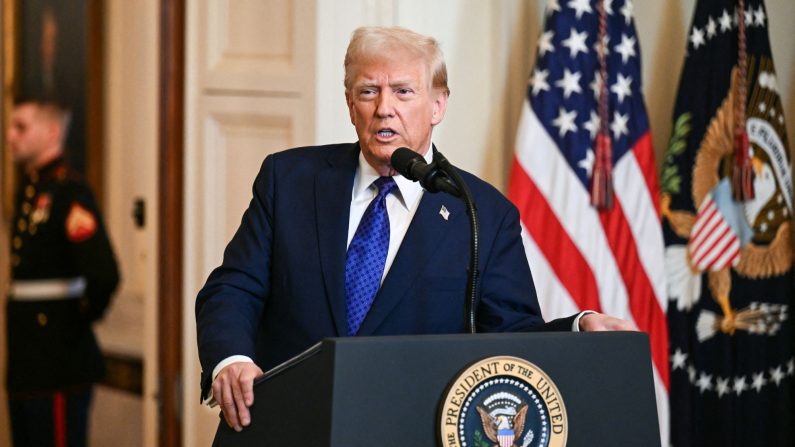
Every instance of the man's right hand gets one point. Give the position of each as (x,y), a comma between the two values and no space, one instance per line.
(233,389)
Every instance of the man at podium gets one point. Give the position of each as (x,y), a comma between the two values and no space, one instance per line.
(335,243)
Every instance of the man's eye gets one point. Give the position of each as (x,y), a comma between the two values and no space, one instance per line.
(404,91)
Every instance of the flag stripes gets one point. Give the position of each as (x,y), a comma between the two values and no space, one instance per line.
(714,245)
(583,257)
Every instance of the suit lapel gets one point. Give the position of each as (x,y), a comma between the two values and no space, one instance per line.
(427,230)
(333,186)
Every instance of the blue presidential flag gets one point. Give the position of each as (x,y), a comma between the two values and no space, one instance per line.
(727,209)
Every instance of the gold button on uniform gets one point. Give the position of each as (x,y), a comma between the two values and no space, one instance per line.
(30,191)
(42,319)
(22,225)
(26,208)
(17,242)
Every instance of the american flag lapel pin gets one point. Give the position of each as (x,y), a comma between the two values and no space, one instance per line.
(444,213)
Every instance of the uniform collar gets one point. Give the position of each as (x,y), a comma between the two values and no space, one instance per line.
(47,170)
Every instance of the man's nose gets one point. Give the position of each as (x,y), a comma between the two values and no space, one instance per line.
(385,106)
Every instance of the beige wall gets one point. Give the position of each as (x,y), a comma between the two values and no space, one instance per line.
(130,141)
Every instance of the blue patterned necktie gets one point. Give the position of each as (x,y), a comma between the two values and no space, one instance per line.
(366,257)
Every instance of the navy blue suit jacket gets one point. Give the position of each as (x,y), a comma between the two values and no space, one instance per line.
(281,287)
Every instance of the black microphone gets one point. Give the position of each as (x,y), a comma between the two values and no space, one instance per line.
(413,166)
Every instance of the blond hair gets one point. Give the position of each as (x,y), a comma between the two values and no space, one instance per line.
(373,41)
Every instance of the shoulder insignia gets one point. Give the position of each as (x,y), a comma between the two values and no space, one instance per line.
(81,223)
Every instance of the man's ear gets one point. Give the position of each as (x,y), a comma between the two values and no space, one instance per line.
(54,132)
(439,107)
(349,101)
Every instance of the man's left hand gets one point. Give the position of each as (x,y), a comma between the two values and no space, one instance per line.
(601,322)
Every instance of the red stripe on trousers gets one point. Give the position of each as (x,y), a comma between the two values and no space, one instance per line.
(643,305)
(59,419)
(560,251)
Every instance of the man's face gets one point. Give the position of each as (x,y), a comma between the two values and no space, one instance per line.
(391,106)
(29,135)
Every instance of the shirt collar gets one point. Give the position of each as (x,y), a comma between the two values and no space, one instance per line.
(410,192)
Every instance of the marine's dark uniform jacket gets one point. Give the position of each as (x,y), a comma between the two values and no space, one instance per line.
(63,275)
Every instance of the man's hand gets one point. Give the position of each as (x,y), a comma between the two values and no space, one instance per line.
(233,389)
(602,322)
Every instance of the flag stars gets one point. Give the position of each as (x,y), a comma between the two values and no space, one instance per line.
(576,43)
(678,360)
(749,17)
(587,162)
(598,48)
(626,11)
(539,81)
(565,121)
(570,83)
(777,375)
(739,385)
(622,87)
(626,48)
(697,38)
(725,21)
(619,125)
(608,4)
(552,6)
(580,6)
(711,28)
(592,125)
(758,381)
(691,373)
(545,43)
(759,16)
(722,386)
(704,382)
(596,85)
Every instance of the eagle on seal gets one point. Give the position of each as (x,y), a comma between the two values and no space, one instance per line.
(502,429)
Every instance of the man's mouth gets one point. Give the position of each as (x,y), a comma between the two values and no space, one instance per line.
(386,133)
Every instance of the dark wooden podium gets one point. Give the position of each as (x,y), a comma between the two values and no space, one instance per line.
(387,391)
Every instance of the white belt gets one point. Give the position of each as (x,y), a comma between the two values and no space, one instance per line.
(48,289)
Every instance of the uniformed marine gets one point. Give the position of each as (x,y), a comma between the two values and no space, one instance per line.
(63,275)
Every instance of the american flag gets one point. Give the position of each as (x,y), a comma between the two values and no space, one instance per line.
(582,257)
(718,234)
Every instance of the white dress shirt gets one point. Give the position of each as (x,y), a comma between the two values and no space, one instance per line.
(401,204)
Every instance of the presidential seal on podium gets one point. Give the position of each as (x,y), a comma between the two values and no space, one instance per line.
(502,402)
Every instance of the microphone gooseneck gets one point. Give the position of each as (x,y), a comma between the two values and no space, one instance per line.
(438,176)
